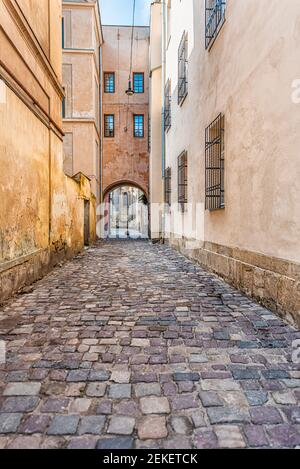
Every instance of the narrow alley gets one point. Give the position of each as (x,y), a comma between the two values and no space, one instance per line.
(131,345)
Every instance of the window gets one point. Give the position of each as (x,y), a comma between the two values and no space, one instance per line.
(64,107)
(214,164)
(138,82)
(63,32)
(138,125)
(182,69)
(109,125)
(149,133)
(168,174)
(168,105)
(109,82)
(214,20)
(182,179)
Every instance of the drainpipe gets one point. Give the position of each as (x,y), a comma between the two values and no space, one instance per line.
(163,86)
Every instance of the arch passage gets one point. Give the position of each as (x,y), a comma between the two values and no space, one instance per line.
(126,209)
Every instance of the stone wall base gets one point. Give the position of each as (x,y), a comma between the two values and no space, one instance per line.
(25,270)
(273,282)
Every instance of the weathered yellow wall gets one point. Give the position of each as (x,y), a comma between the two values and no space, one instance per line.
(41,209)
(24,166)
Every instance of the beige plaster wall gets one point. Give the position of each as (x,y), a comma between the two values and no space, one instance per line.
(247,75)
(81,80)
(156,170)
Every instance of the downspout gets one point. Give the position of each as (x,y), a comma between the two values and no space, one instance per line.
(163,86)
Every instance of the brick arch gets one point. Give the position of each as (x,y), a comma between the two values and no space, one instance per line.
(124,182)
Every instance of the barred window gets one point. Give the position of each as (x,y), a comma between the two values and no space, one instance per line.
(182,180)
(168,175)
(214,164)
(109,82)
(214,20)
(168,105)
(183,68)
(149,133)
(138,125)
(109,125)
(63,32)
(138,82)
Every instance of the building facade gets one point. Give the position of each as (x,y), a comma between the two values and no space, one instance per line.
(125,118)
(230,142)
(81,42)
(43,213)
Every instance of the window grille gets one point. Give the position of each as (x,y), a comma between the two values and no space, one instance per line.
(214,20)
(168,106)
(63,32)
(138,82)
(149,133)
(183,69)
(109,82)
(109,125)
(168,173)
(182,180)
(214,164)
(138,127)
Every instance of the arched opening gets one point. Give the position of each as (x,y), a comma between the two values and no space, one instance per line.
(126,213)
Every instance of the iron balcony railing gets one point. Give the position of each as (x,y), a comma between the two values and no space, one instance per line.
(182,180)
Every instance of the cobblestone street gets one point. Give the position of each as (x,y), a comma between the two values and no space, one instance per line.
(130,345)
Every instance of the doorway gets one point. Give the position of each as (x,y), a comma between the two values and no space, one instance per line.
(127,213)
(86,222)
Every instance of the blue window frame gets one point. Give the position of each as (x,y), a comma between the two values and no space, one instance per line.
(109,82)
(138,82)
(109,125)
(63,107)
(63,32)
(138,125)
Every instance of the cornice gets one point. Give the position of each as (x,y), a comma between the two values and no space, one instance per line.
(27,33)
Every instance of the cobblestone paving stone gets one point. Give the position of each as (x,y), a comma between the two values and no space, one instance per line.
(131,345)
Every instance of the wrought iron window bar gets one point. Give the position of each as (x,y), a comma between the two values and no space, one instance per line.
(215,164)
(168,99)
(183,68)
(182,180)
(214,20)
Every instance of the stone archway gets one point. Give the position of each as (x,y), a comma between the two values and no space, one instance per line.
(126,212)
